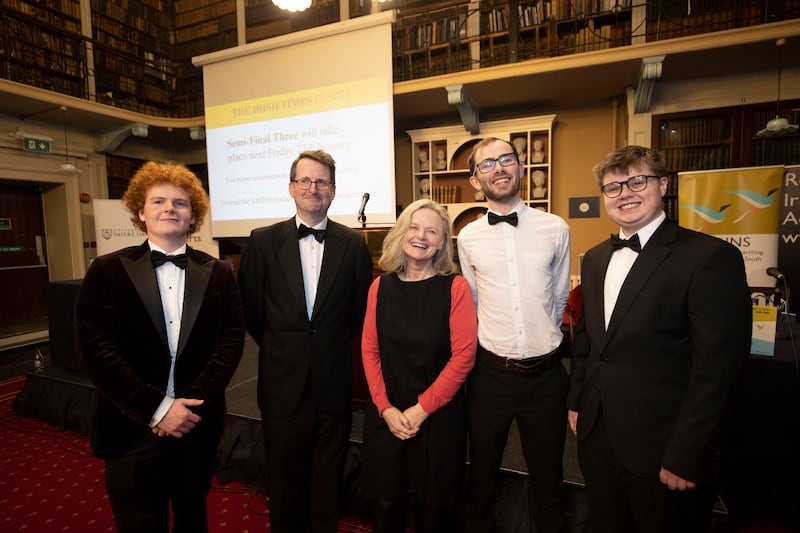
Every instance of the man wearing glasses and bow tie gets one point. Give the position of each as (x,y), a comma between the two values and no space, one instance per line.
(661,341)
(304,286)
(516,260)
(160,331)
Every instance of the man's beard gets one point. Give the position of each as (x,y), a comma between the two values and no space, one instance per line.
(491,195)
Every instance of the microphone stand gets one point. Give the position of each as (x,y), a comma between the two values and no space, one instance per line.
(363,219)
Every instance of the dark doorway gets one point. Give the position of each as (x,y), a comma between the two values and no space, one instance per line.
(23,260)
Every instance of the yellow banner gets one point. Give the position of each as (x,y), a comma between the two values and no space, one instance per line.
(739,205)
(364,92)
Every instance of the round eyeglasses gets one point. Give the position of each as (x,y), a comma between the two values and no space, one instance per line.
(305,183)
(488,164)
(634,184)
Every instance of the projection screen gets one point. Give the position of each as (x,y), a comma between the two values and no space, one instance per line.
(325,88)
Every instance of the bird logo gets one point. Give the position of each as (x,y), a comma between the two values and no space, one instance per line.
(708,214)
(757,201)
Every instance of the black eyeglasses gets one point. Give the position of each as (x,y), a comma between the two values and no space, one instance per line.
(634,183)
(488,164)
(305,183)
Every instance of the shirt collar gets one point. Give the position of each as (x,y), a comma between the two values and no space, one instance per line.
(516,209)
(154,247)
(321,225)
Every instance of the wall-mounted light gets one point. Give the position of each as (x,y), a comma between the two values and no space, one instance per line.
(139,129)
(197,133)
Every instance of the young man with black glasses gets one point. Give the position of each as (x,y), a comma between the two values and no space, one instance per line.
(516,260)
(663,334)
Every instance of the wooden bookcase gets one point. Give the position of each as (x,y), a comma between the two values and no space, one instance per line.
(264,20)
(455,36)
(44,46)
(134,51)
(441,172)
(723,138)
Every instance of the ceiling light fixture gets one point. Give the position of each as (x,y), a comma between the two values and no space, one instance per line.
(292,5)
(778,125)
(66,167)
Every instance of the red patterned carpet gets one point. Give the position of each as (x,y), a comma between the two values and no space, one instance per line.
(49,481)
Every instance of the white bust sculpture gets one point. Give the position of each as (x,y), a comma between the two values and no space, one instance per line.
(521,146)
(537,155)
(424,188)
(441,160)
(538,179)
(424,164)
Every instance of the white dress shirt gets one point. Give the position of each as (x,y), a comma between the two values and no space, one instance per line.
(171,287)
(621,263)
(520,281)
(311,252)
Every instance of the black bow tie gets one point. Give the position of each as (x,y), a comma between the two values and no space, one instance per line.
(304,230)
(510,218)
(159,259)
(632,243)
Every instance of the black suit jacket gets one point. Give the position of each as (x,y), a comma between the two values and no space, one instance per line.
(291,345)
(121,339)
(666,370)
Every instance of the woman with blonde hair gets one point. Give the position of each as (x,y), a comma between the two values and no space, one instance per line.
(418,346)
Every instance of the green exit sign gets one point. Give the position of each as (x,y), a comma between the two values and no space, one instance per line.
(29,144)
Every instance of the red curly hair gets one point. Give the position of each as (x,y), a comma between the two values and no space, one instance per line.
(152,173)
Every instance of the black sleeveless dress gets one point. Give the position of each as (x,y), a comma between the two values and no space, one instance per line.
(413,325)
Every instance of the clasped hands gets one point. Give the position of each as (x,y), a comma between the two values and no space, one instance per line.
(179,419)
(404,424)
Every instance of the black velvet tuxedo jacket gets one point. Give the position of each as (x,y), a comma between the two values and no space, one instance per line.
(666,370)
(291,345)
(121,339)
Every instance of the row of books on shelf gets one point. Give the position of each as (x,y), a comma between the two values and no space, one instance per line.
(434,32)
(694,131)
(777,150)
(47,10)
(141,15)
(722,18)
(189,13)
(539,12)
(699,158)
(446,194)
(591,37)
(47,19)
(45,80)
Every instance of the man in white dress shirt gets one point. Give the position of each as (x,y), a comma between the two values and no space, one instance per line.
(516,259)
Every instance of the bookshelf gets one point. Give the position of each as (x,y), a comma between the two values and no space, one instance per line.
(543,29)
(201,27)
(264,20)
(441,171)
(133,51)
(670,19)
(43,45)
(772,150)
(722,138)
(456,36)
(435,41)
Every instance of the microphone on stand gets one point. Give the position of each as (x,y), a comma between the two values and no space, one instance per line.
(361,216)
(780,299)
(774,272)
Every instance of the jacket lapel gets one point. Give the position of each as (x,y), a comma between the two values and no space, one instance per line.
(335,248)
(289,258)
(140,270)
(197,277)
